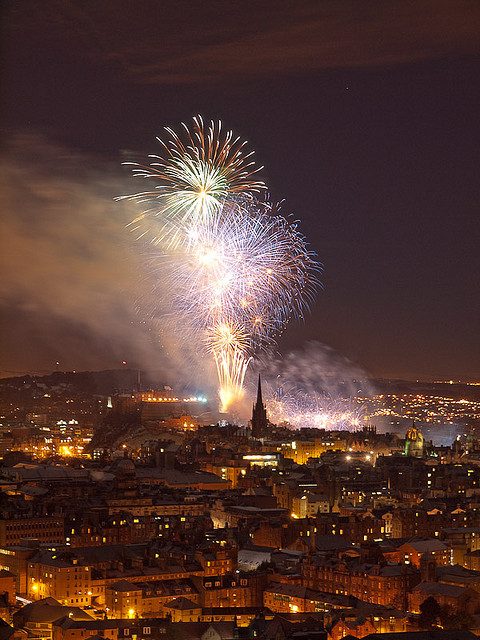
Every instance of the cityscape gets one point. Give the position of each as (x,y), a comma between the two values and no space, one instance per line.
(239,357)
(127,512)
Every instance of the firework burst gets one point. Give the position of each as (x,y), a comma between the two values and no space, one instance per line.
(238,281)
(246,265)
(236,269)
(198,169)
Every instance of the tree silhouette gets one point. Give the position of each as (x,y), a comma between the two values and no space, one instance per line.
(430,612)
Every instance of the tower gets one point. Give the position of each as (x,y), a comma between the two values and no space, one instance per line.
(259,415)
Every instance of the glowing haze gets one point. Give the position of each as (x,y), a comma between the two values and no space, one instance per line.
(233,269)
(314,387)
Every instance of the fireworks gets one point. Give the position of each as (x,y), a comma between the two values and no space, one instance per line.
(238,281)
(197,171)
(315,387)
(246,266)
(298,409)
(237,270)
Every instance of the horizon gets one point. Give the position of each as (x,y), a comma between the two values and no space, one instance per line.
(450,380)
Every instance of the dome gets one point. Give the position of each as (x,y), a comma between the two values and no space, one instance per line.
(414,445)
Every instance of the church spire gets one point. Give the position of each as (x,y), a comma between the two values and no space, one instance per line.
(259,415)
(259,393)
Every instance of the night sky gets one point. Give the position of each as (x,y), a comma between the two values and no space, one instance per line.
(365,114)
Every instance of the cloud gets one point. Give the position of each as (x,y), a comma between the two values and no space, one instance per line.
(198,42)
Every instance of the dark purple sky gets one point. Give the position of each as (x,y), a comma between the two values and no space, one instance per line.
(365,115)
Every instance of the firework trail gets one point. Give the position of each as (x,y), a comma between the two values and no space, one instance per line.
(236,269)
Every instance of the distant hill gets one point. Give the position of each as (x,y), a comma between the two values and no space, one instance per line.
(107,382)
(81,382)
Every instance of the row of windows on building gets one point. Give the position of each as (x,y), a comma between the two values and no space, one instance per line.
(208,585)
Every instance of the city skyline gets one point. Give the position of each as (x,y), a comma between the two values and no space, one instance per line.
(366,123)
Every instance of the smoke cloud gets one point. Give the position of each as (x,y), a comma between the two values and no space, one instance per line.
(315,369)
(314,386)
(74,286)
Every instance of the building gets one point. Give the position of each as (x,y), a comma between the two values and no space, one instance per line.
(8,587)
(37,618)
(183,610)
(411,552)
(295,598)
(456,598)
(306,504)
(61,575)
(243,590)
(67,628)
(45,529)
(373,582)
(124,599)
